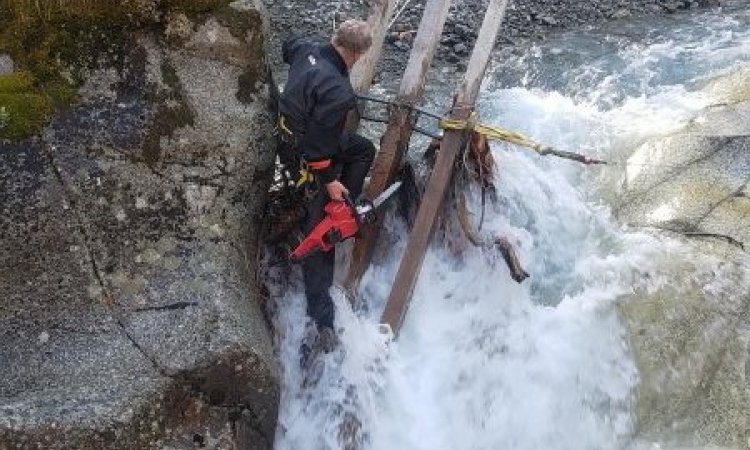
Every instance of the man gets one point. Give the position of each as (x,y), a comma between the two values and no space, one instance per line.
(313,109)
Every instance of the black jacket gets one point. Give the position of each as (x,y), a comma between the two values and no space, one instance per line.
(316,99)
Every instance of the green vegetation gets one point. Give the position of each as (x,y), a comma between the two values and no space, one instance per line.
(16,82)
(57,43)
(23,109)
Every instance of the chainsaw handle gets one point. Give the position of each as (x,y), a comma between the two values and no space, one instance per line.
(348,199)
(350,203)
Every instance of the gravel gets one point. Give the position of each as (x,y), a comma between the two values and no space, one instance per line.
(525,19)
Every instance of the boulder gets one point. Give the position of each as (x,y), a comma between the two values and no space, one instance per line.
(689,323)
(695,181)
(131,316)
(697,185)
(690,342)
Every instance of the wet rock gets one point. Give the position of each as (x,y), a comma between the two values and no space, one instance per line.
(690,338)
(6,64)
(549,21)
(689,341)
(621,14)
(402,46)
(698,195)
(732,116)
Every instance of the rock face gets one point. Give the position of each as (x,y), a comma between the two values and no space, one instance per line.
(697,182)
(690,338)
(702,191)
(130,316)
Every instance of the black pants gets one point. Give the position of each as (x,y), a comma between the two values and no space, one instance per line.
(355,158)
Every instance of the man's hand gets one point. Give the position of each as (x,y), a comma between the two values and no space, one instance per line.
(336,190)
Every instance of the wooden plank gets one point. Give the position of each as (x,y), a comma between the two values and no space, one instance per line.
(419,237)
(363,72)
(395,140)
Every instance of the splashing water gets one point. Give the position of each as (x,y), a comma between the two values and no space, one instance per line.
(482,362)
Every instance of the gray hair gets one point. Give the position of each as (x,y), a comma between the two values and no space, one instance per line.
(354,35)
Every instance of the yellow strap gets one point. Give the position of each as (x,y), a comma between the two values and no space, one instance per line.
(305,176)
(489,131)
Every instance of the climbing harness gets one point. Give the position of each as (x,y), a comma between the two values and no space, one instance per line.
(294,183)
(304,177)
(282,126)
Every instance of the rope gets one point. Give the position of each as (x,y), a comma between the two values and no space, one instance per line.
(502,134)
(399,9)
(496,133)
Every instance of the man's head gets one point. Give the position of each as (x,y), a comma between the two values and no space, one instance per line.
(352,39)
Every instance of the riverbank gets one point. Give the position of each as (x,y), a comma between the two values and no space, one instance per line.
(525,19)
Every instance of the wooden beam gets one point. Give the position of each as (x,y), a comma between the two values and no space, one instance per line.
(363,72)
(432,200)
(395,140)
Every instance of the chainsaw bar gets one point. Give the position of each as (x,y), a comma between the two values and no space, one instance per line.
(368,207)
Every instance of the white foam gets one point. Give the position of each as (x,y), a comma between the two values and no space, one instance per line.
(484,363)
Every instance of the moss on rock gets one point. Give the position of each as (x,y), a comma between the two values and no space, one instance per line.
(247,25)
(169,75)
(193,8)
(172,112)
(16,82)
(240,22)
(56,45)
(26,113)
(59,43)
(23,108)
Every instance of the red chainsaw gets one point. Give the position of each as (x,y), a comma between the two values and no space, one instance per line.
(342,221)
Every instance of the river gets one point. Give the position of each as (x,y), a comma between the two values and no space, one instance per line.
(482,362)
